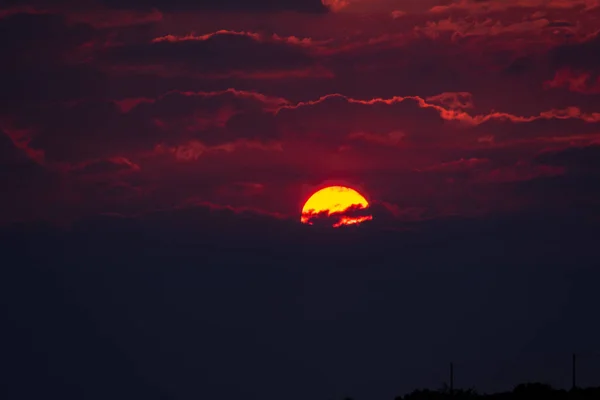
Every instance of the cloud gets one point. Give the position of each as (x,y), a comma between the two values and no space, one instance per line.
(218,54)
(520,172)
(310,6)
(194,149)
(192,206)
(305,6)
(398,14)
(212,280)
(306,140)
(438,113)
(92,129)
(576,159)
(392,138)
(25,39)
(89,129)
(453,101)
(27,186)
(110,165)
(385,115)
(463,28)
(49,61)
(336,5)
(15,161)
(274,38)
(488,6)
(456,166)
(353,215)
(114,18)
(577,82)
(479,171)
(578,55)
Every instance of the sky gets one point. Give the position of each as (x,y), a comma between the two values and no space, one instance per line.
(155,156)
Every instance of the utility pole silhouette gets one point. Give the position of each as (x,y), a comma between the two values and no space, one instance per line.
(574,372)
(451,378)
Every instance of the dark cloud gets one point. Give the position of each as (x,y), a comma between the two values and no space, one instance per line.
(579,55)
(332,119)
(256,125)
(31,87)
(212,117)
(540,129)
(90,129)
(199,287)
(40,40)
(9,154)
(560,24)
(310,6)
(352,103)
(93,129)
(48,61)
(577,193)
(16,167)
(575,158)
(110,165)
(219,54)
(25,183)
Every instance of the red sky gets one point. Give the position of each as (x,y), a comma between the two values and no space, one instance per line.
(434,108)
(175,140)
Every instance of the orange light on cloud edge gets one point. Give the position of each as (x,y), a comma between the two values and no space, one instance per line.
(352,220)
(335,200)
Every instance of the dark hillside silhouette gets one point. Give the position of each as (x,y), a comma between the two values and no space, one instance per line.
(530,390)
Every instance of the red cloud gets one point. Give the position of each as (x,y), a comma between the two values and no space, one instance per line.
(106,166)
(451,114)
(520,172)
(188,124)
(269,103)
(398,14)
(351,216)
(453,100)
(575,158)
(194,149)
(6,12)
(292,40)
(578,82)
(218,55)
(393,138)
(462,28)
(336,5)
(475,6)
(308,98)
(191,203)
(457,166)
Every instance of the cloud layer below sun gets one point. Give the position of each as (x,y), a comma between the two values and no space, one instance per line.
(434,108)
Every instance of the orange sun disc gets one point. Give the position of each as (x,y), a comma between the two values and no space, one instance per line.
(334,200)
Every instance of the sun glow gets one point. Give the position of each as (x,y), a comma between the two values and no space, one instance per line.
(335,200)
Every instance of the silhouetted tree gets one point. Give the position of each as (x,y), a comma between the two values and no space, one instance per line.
(537,390)
(533,391)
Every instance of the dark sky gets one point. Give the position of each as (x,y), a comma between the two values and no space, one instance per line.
(155,155)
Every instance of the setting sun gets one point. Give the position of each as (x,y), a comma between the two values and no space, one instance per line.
(335,200)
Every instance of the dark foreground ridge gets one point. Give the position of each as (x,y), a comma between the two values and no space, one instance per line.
(522,391)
